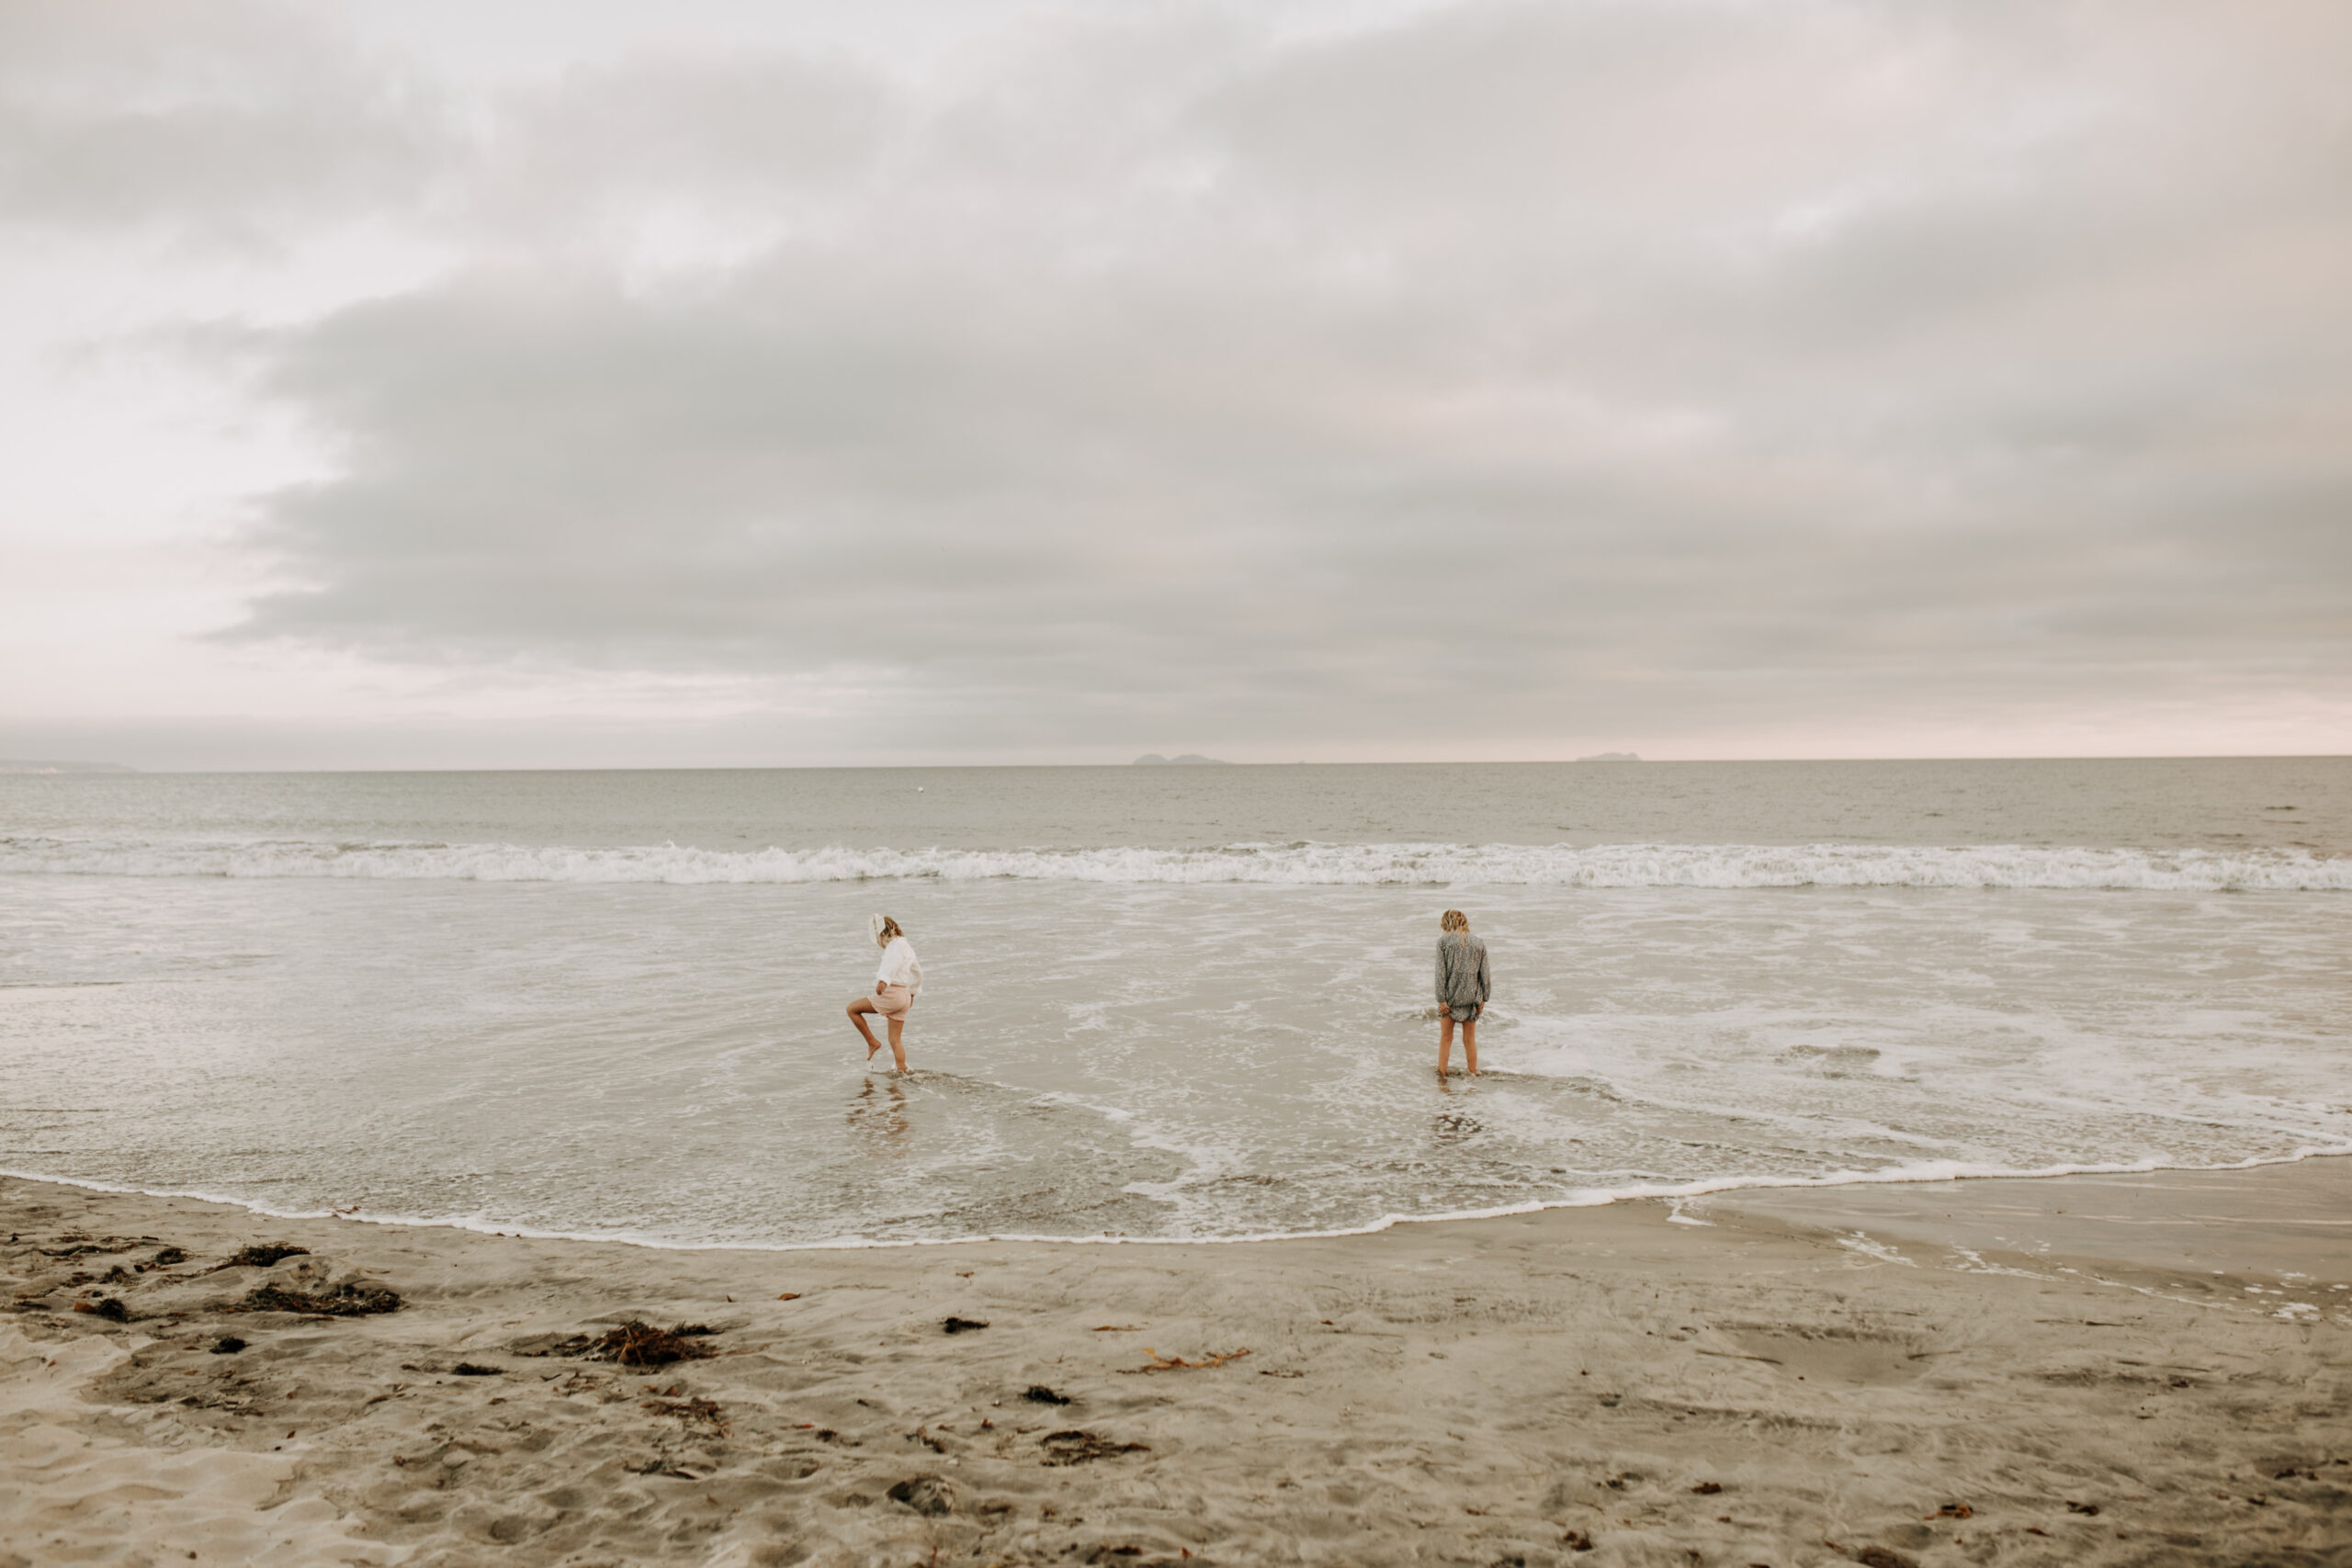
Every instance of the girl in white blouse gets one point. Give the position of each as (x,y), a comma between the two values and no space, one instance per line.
(896,980)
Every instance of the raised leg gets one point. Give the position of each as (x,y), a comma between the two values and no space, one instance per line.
(857,1009)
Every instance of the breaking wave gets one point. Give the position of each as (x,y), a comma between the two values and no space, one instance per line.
(1302,864)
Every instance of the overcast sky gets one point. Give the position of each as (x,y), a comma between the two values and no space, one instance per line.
(540,382)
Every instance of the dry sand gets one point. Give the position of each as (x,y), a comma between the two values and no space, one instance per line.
(1931,1377)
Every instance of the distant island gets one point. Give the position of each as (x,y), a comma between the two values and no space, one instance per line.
(1154,760)
(1611,757)
(7,766)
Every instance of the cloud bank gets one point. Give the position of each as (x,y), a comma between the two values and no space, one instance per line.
(1486,378)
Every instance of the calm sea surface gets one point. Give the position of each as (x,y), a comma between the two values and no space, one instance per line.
(1159,1002)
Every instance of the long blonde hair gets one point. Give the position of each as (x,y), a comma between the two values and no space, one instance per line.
(884,928)
(1454,920)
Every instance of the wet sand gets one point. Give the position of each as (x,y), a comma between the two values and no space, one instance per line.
(2084,1370)
(2292,1222)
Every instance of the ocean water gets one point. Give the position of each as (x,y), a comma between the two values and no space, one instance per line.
(1159,1002)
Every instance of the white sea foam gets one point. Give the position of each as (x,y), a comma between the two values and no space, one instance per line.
(1675,1192)
(1302,864)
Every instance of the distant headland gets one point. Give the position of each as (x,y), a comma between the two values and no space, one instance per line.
(9,766)
(1154,760)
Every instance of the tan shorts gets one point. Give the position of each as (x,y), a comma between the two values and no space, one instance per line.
(892,1001)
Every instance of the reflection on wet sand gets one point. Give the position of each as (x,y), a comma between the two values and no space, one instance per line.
(1454,1125)
(879,1121)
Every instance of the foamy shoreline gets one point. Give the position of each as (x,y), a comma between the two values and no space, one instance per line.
(1926,1173)
(1749,1389)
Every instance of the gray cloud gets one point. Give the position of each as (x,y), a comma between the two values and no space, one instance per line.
(1501,371)
(229,119)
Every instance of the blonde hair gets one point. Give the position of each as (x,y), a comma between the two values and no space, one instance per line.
(884,928)
(1456,920)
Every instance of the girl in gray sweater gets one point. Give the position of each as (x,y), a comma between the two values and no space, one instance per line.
(1462,986)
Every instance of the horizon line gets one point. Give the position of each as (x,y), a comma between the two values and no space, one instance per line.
(119,770)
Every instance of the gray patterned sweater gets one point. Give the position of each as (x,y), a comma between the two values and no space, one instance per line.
(1462,977)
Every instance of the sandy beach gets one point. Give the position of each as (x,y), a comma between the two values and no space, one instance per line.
(2063,1371)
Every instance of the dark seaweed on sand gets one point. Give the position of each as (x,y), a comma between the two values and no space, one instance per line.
(1039,1393)
(264,1255)
(961,1324)
(353,1298)
(78,1246)
(640,1344)
(1077,1448)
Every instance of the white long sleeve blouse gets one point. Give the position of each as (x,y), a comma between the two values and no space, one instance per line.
(900,966)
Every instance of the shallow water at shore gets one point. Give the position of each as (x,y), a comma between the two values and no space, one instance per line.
(1150,1056)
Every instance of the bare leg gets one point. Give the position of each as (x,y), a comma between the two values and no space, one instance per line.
(1444,1044)
(1470,1042)
(861,1006)
(898,1050)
